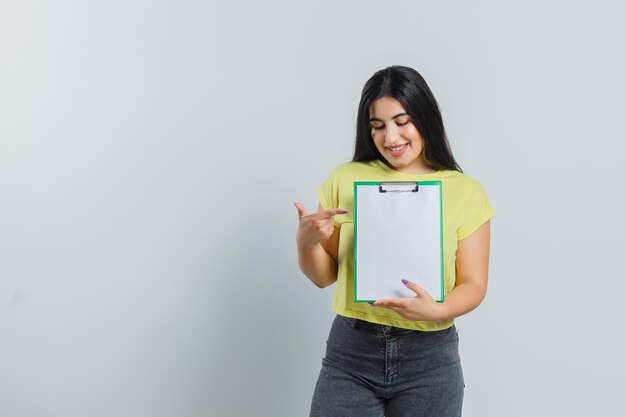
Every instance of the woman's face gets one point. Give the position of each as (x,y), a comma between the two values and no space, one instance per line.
(396,137)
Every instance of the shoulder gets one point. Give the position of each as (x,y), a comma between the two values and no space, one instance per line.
(458,176)
(462,179)
(462,185)
(353,169)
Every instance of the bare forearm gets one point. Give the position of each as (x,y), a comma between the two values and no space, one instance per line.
(317,265)
(462,299)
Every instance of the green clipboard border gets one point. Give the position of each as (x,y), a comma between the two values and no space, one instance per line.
(419,183)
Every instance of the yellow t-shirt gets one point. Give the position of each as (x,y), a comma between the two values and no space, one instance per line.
(465,209)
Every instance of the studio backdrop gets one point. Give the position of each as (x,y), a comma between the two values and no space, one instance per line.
(151,152)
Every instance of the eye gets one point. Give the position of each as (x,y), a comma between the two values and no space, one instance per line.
(381,127)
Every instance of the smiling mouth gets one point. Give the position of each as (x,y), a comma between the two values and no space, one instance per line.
(395,148)
(397,151)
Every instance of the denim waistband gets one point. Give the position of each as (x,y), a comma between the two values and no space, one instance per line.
(386,329)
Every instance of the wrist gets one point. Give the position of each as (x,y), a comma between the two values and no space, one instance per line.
(442,312)
(306,247)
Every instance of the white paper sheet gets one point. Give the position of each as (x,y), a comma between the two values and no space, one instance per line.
(398,236)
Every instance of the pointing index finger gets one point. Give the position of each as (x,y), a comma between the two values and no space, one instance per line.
(327,214)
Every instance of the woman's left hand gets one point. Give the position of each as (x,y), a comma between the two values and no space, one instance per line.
(422,307)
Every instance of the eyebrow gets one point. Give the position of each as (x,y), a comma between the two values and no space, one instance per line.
(375,119)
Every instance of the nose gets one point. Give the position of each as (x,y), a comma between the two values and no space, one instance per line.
(391,134)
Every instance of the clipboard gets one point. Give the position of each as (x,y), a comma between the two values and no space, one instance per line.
(398,234)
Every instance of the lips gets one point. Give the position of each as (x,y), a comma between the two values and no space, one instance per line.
(397,151)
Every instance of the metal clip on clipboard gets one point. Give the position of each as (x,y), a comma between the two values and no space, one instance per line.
(398,187)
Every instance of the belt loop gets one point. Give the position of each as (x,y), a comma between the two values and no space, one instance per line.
(354,323)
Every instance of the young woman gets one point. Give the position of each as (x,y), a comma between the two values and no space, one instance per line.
(396,357)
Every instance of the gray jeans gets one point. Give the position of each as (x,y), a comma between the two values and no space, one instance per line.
(371,370)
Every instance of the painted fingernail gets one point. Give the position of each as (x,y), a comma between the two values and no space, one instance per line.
(372,303)
(404,281)
(343,212)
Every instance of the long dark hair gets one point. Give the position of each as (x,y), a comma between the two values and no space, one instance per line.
(408,87)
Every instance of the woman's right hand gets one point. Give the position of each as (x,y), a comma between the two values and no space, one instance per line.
(315,228)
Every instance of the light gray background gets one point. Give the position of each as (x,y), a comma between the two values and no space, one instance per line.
(151,151)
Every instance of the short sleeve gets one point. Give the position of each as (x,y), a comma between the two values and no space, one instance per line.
(328,193)
(476,212)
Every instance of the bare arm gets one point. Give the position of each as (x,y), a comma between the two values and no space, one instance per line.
(318,242)
(472,269)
